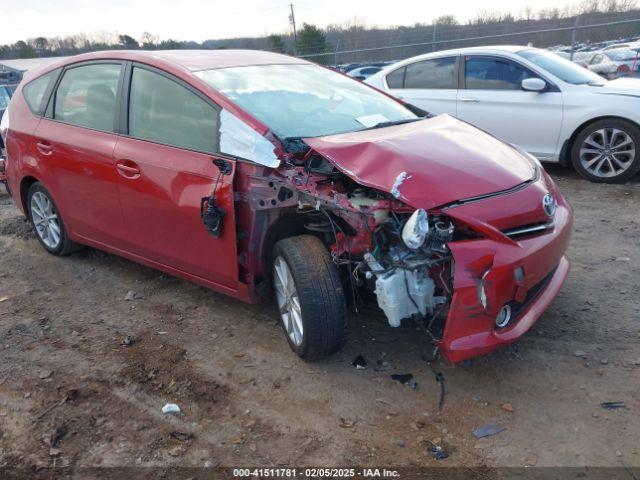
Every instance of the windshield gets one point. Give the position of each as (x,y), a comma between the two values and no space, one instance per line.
(622,55)
(305,100)
(565,70)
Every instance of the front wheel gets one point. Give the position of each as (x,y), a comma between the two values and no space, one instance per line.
(607,151)
(309,296)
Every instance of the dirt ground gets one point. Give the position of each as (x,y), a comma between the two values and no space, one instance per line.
(85,373)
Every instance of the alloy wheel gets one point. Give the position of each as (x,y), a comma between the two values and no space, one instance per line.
(607,152)
(45,219)
(288,301)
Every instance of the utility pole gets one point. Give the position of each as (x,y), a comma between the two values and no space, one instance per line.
(433,43)
(292,21)
(573,37)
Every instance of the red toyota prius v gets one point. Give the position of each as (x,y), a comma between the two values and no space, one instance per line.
(257,175)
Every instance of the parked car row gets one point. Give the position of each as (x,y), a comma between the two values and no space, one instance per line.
(610,63)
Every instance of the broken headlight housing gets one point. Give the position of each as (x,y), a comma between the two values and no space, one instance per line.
(416,229)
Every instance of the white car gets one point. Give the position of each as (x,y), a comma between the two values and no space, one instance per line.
(618,62)
(549,106)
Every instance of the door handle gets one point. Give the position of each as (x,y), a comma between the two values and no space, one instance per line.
(128,169)
(44,147)
(469,99)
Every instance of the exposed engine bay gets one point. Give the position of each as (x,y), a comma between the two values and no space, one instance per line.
(380,243)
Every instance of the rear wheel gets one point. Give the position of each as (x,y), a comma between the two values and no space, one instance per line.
(47,222)
(607,151)
(309,296)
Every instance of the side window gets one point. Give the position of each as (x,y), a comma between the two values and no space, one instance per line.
(486,73)
(4,98)
(433,73)
(34,92)
(161,110)
(86,96)
(597,59)
(396,78)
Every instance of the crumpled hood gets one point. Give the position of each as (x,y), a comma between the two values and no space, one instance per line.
(621,86)
(426,163)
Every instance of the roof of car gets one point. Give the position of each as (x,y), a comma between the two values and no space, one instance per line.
(195,60)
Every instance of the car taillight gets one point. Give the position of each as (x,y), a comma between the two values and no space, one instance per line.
(624,68)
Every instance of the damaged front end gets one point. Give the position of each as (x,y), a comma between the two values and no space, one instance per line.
(382,244)
(464,268)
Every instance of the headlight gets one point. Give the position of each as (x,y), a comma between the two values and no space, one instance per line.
(416,229)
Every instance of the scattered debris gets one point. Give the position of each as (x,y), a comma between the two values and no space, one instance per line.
(182,436)
(623,259)
(128,341)
(612,405)
(580,354)
(44,374)
(131,296)
(405,379)
(360,362)
(170,408)
(346,423)
(439,453)
(604,361)
(488,430)
(57,435)
(3,299)
(507,406)
(440,380)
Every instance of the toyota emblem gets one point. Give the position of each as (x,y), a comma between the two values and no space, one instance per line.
(549,204)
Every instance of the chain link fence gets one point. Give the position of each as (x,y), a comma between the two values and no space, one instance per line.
(607,43)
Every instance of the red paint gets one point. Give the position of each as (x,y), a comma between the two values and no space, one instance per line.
(142,200)
(446,159)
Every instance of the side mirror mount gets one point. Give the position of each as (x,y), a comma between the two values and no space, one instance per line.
(534,85)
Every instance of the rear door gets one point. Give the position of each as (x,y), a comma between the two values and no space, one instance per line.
(164,164)
(492,99)
(74,143)
(431,84)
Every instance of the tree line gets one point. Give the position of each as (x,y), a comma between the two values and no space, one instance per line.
(372,43)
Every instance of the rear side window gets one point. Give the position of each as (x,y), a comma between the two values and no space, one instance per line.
(433,73)
(34,92)
(162,110)
(86,96)
(396,78)
(485,73)
(4,98)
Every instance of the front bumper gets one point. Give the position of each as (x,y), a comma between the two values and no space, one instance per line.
(470,329)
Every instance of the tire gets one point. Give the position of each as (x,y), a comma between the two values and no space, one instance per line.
(607,151)
(320,297)
(39,201)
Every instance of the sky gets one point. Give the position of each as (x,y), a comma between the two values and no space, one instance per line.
(214,19)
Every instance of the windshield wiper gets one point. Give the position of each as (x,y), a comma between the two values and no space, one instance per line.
(393,122)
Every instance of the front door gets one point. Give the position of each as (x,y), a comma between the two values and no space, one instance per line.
(492,99)
(165,168)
